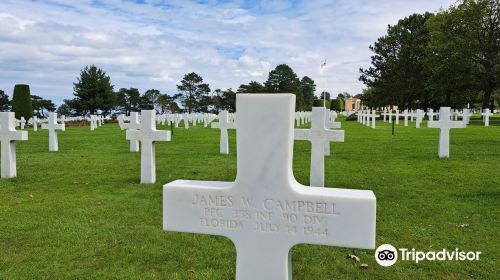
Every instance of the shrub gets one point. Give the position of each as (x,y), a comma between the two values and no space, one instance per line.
(21,102)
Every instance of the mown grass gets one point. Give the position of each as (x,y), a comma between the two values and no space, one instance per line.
(81,213)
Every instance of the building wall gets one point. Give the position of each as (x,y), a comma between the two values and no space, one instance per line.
(352,104)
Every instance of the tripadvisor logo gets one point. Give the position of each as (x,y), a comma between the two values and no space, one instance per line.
(387,255)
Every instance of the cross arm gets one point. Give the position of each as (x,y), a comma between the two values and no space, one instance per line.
(336,217)
(199,207)
(333,125)
(141,135)
(302,134)
(16,135)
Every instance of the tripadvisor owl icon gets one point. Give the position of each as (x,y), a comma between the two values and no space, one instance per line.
(386,255)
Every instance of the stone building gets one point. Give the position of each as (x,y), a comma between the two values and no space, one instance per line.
(352,104)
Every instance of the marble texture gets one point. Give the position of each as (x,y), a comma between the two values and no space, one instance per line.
(148,135)
(224,124)
(9,134)
(265,212)
(52,126)
(445,124)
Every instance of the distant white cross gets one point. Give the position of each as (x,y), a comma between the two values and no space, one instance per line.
(265,212)
(224,124)
(318,135)
(148,135)
(9,134)
(186,121)
(53,126)
(419,115)
(22,122)
(466,115)
(431,114)
(373,117)
(405,115)
(134,124)
(34,122)
(487,113)
(93,122)
(121,122)
(330,123)
(445,124)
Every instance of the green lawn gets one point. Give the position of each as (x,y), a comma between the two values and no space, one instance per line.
(81,213)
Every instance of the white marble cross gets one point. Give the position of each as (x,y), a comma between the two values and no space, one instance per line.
(9,134)
(405,115)
(93,124)
(224,124)
(186,121)
(374,116)
(330,123)
(397,116)
(445,124)
(419,116)
(22,122)
(265,212)
(134,124)
(487,113)
(431,114)
(385,115)
(390,116)
(121,122)
(318,135)
(148,135)
(53,126)
(466,115)
(34,122)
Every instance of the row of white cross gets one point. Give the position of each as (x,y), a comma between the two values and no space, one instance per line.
(265,212)
(9,134)
(419,115)
(141,131)
(444,123)
(95,121)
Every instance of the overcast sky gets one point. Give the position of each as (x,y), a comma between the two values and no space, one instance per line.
(152,44)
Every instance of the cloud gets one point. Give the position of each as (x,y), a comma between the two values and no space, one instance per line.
(150,44)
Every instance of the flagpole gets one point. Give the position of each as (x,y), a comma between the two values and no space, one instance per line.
(323,65)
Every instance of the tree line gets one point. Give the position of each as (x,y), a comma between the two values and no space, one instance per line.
(451,58)
(94,93)
(39,105)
